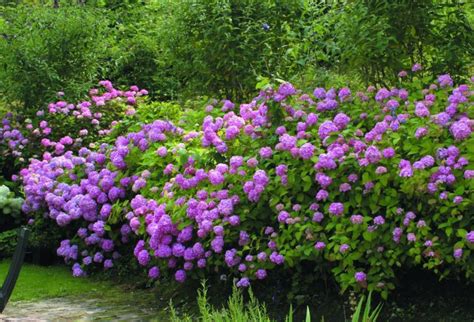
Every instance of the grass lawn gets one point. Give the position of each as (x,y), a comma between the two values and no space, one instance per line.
(425,300)
(39,282)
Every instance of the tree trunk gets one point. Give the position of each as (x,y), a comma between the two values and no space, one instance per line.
(56,4)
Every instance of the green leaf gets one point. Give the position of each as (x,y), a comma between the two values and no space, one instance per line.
(368,236)
(308,314)
(461,233)
(449,231)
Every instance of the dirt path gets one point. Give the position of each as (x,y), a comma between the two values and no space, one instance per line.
(76,309)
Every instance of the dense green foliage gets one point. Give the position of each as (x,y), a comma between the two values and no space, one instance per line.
(135,51)
(377,38)
(180,48)
(7,242)
(221,46)
(44,50)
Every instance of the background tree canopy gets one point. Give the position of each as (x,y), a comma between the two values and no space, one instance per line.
(179,49)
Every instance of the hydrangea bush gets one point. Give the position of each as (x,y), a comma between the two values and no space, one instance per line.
(9,204)
(358,184)
(64,126)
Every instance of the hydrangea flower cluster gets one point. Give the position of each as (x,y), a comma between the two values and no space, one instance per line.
(354,182)
(9,204)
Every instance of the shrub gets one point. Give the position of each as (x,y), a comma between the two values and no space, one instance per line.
(8,240)
(64,126)
(135,51)
(61,127)
(10,207)
(45,49)
(186,48)
(219,47)
(377,38)
(356,184)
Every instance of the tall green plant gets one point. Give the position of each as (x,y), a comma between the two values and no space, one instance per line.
(136,51)
(43,50)
(238,310)
(220,46)
(377,38)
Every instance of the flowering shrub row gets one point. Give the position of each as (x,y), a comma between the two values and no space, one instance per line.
(356,183)
(64,126)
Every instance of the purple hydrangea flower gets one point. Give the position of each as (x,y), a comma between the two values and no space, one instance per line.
(261,274)
(470,237)
(306,151)
(344,248)
(416,67)
(460,129)
(180,275)
(266,152)
(360,277)
(445,80)
(457,254)
(243,282)
(320,245)
(336,208)
(154,272)
(379,220)
(357,219)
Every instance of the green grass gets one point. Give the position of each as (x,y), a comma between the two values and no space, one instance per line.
(39,282)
